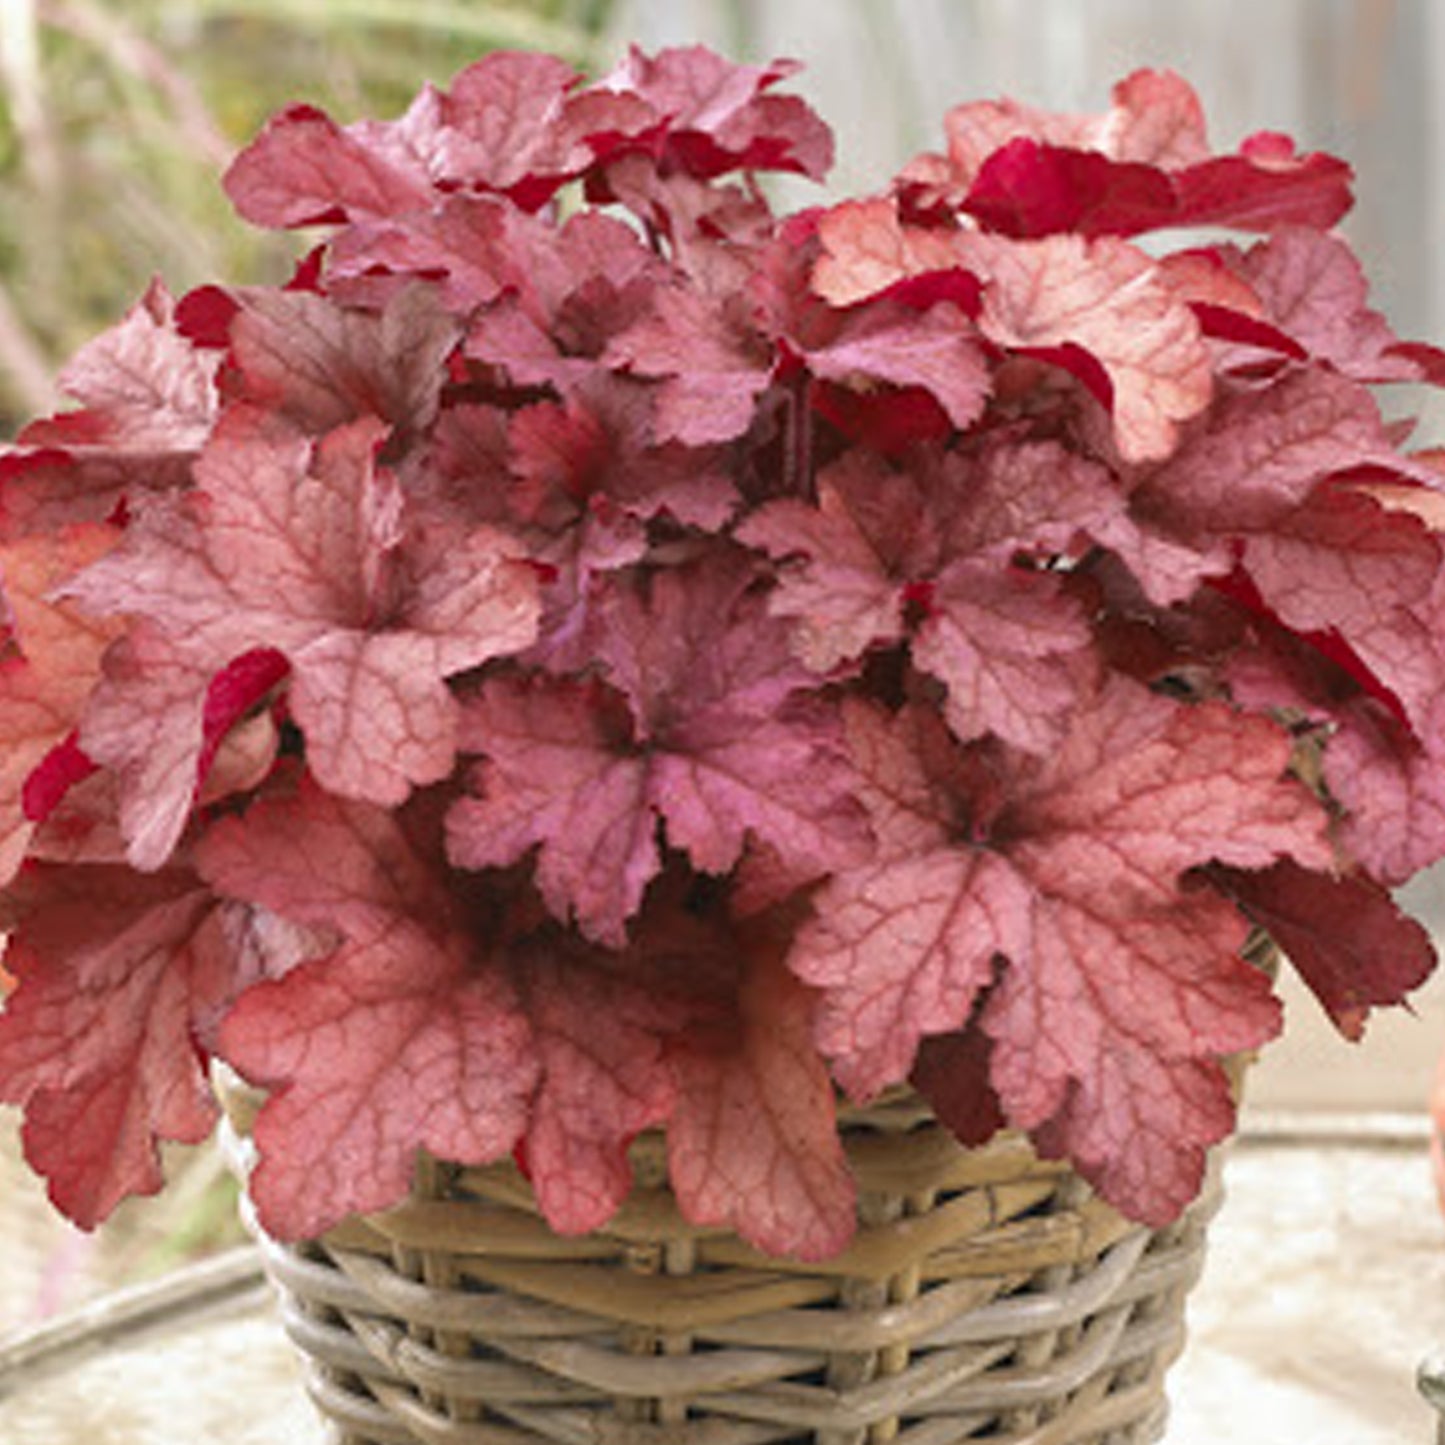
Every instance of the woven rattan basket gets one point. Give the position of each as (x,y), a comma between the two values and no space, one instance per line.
(988,1296)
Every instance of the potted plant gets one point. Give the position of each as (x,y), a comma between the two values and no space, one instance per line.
(589,661)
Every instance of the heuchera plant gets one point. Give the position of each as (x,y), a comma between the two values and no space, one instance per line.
(590,654)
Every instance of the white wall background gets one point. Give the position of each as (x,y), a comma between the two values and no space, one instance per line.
(1361,78)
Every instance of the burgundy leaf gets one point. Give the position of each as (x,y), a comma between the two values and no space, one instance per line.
(952,1073)
(1345,936)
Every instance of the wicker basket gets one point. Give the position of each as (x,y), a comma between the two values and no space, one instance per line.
(988,1296)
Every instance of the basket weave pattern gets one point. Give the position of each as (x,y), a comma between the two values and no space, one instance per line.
(988,1296)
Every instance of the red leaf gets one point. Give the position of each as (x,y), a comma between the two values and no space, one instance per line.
(400,1038)
(204,316)
(1029,189)
(370,624)
(1315,289)
(119,974)
(232,694)
(61,768)
(304,357)
(1345,936)
(1070,869)
(1012,649)
(54,662)
(1141,166)
(1260,451)
(305,170)
(1268,184)
(752,1141)
(714,749)
(1103,298)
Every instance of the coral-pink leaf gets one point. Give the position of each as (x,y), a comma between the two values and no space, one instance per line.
(558,774)
(304,169)
(1013,653)
(1103,297)
(118,975)
(396,1040)
(605,1076)
(752,1141)
(712,749)
(299,547)
(1261,451)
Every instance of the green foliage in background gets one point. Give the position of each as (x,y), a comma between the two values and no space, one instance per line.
(118,116)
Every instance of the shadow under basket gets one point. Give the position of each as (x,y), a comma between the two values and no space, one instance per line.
(988,1296)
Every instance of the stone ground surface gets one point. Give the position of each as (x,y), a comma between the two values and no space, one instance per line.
(1325,1287)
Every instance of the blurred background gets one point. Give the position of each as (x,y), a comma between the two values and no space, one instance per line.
(118,116)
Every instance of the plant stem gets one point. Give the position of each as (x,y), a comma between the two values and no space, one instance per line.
(798,481)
